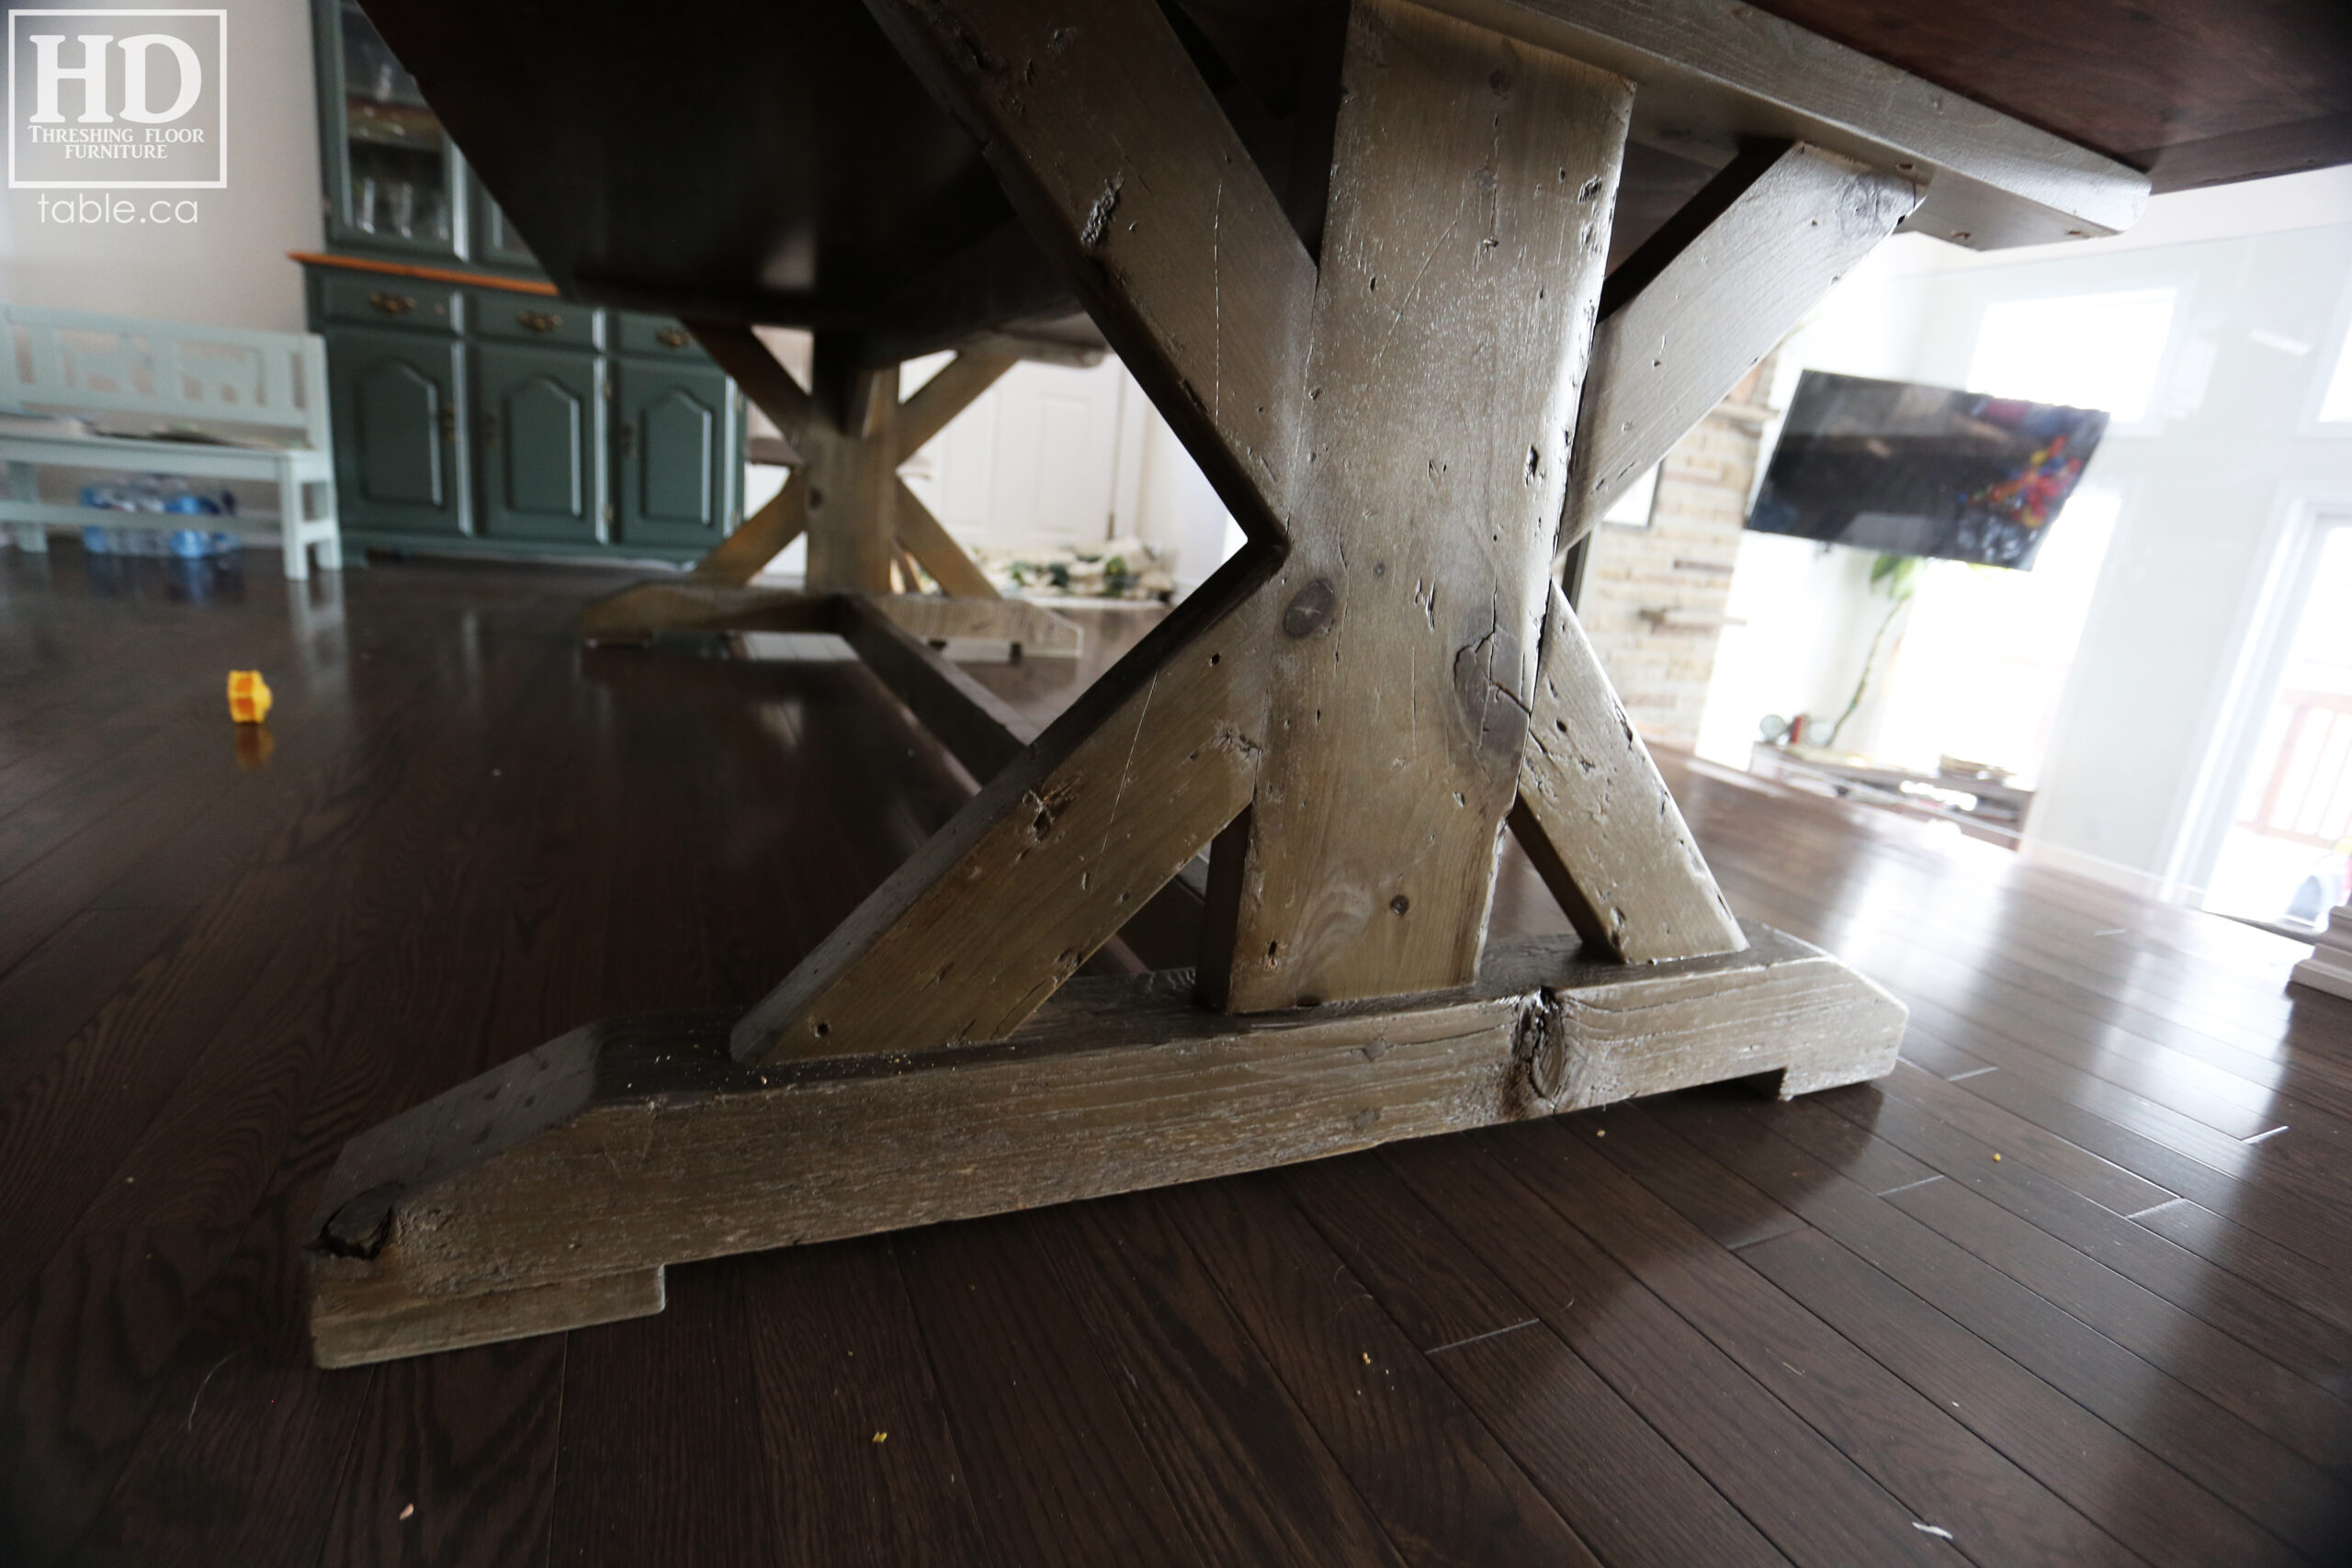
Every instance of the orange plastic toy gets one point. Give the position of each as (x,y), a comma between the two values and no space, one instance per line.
(248,696)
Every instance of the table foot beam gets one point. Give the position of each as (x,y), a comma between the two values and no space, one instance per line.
(551,1192)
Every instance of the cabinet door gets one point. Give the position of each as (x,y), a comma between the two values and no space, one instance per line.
(536,443)
(398,465)
(674,454)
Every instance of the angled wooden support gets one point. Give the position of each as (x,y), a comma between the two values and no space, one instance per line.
(1709,296)
(850,432)
(552,1192)
(1347,715)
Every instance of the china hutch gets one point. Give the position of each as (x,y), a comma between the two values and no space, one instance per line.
(475,411)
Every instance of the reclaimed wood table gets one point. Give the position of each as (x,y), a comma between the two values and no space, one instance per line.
(1359,255)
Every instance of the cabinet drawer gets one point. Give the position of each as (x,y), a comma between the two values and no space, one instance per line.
(530,317)
(382,300)
(656,337)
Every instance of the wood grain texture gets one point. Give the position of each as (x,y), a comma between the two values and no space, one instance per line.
(474,836)
(927,539)
(1462,258)
(1669,353)
(2235,82)
(1712,71)
(1597,821)
(1126,169)
(972,933)
(983,731)
(623,1146)
(853,473)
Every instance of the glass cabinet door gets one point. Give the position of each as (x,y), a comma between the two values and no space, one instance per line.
(396,168)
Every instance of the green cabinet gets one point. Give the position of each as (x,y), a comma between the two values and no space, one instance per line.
(671,452)
(538,448)
(472,411)
(399,464)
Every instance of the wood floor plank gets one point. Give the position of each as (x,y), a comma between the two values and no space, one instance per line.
(836,1357)
(2168,1473)
(1435,1289)
(1610,1473)
(1241,1460)
(1815,1503)
(1443,1488)
(472,836)
(1919,1452)
(1059,1474)
(2274,1333)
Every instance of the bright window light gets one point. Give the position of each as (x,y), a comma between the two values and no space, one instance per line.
(2087,351)
(2336,408)
(1983,659)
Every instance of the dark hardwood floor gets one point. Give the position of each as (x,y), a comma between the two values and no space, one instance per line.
(2073,1286)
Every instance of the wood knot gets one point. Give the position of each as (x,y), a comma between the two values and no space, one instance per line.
(1309,610)
(361,1227)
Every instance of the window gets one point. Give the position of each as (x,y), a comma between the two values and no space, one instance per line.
(2336,403)
(1983,659)
(2087,351)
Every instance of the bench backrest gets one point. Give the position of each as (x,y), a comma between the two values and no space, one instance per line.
(80,362)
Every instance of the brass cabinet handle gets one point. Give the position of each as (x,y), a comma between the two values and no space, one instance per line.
(671,337)
(447,422)
(628,441)
(538,320)
(489,431)
(393,304)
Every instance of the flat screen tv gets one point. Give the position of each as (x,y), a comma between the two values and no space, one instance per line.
(1919,470)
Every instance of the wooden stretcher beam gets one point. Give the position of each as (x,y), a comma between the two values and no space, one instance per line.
(551,1193)
(1687,325)
(1711,73)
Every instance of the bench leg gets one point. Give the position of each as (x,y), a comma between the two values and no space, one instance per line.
(25,485)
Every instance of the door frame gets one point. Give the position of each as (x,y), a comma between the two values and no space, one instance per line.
(2266,637)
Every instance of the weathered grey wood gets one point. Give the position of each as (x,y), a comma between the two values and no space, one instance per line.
(975,929)
(626,1146)
(740,556)
(1598,822)
(983,731)
(351,1335)
(922,535)
(1119,160)
(1714,71)
(853,472)
(986,734)
(1670,353)
(1472,184)
(1030,627)
(638,614)
(949,392)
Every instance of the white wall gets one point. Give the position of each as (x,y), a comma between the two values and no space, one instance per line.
(2210,483)
(229,268)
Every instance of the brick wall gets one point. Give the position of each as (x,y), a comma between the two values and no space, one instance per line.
(1653,596)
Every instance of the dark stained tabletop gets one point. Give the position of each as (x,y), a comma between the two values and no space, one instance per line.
(778,161)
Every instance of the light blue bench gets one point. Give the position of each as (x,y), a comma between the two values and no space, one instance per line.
(269,390)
